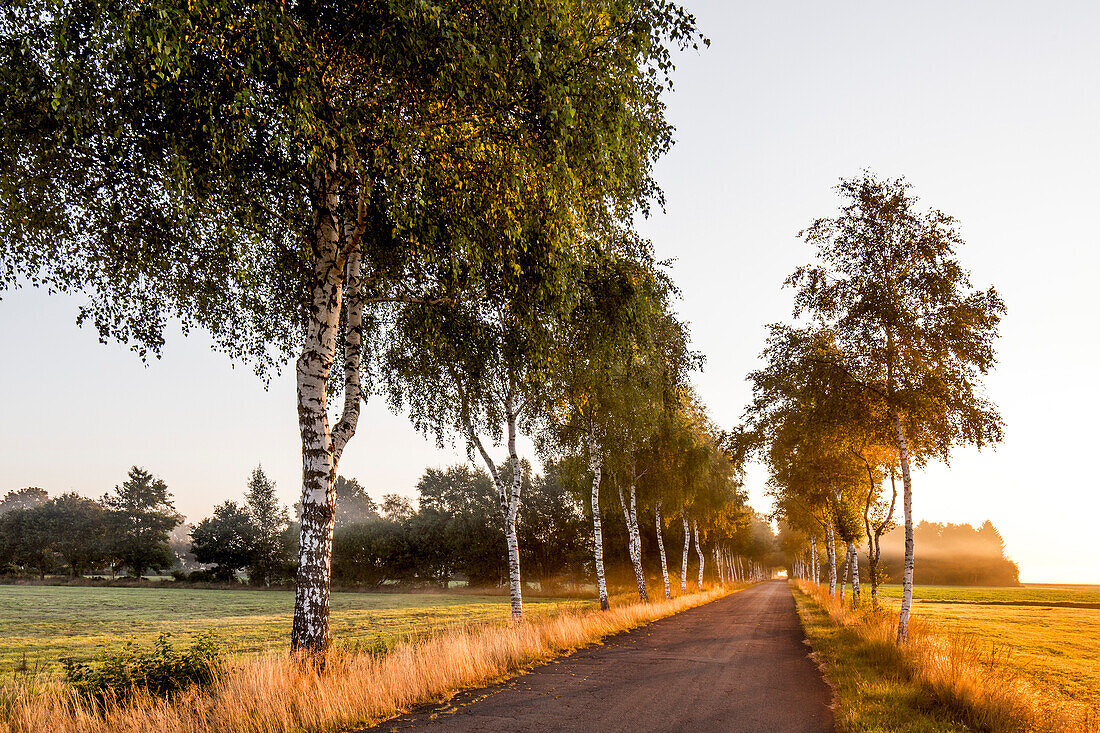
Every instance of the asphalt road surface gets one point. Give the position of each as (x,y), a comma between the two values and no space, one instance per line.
(736,665)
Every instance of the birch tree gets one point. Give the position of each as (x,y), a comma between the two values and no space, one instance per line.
(617,348)
(480,380)
(910,328)
(656,376)
(287,176)
(670,463)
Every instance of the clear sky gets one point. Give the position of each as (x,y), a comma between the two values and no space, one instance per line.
(992,111)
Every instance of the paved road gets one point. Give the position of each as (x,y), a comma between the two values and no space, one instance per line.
(736,665)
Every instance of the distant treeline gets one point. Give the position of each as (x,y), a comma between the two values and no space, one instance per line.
(453,533)
(127,528)
(951,554)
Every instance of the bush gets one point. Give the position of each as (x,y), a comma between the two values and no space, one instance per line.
(160,671)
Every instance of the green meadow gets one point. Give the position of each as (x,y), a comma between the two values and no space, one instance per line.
(39,625)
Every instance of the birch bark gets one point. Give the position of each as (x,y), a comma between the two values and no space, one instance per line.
(699,552)
(334,272)
(907,504)
(847,569)
(661,547)
(831,550)
(854,560)
(813,559)
(687,551)
(634,543)
(636,540)
(596,465)
(510,510)
(509,498)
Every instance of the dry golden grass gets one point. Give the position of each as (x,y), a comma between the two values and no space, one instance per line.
(272,693)
(979,688)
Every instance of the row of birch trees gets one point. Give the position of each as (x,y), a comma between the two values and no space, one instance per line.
(430,203)
(880,372)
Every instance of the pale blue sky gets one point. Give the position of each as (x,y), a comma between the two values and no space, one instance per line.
(991,109)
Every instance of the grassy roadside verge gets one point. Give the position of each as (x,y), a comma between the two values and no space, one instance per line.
(41,624)
(272,694)
(939,682)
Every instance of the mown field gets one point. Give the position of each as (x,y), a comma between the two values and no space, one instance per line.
(41,624)
(1030,627)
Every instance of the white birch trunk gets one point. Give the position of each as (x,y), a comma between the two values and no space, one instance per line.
(596,465)
(509,498)
(831,550)
(661,547)
(847,568)
(511,514)
(907,504)
(687,551)
(333,272)
(813,560)
(633,544)
(699,552)
(636,542)
(855,572)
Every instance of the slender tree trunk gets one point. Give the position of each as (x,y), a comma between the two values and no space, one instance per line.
(907,504)
(661,547)
(634,543)
(687,551)
(873,569)
(847,568)
(855,572)
(596,465)
(511,514)
(830,541)
(699,552)
(814,570)
(509,500)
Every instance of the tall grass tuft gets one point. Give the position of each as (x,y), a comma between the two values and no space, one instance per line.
(273,694)
(978,683)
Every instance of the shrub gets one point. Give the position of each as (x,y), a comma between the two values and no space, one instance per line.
(160,671)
